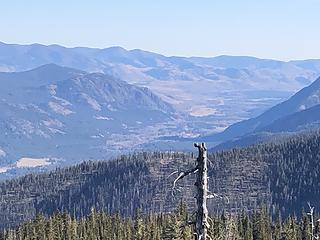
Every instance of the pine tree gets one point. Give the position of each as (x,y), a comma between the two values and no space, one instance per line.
(138,226)
(171,229)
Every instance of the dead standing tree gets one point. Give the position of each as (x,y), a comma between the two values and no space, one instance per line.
(312,224)
(201,221)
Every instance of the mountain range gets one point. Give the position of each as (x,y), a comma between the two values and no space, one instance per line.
(214,91)
(57,114)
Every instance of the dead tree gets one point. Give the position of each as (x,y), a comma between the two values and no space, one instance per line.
(201,222)
(312,225)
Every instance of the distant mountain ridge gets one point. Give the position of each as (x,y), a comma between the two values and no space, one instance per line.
(27,57)
(149,65)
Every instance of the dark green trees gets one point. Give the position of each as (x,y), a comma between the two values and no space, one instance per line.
(100,226)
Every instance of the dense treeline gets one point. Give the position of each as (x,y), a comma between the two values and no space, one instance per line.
(123,185)
(283,176)
(173,226)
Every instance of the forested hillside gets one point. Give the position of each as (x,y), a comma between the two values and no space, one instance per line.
(283,176)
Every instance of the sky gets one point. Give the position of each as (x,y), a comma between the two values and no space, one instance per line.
(277,29)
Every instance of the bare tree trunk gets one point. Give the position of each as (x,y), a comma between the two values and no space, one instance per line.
(311,221)
(201,222)
(202,192)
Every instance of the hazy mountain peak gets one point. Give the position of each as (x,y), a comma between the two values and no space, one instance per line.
(115,50)
(53,67)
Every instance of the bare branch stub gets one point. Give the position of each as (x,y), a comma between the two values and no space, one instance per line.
(184,174)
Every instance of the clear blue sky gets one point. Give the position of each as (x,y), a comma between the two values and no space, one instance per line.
(280,29)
